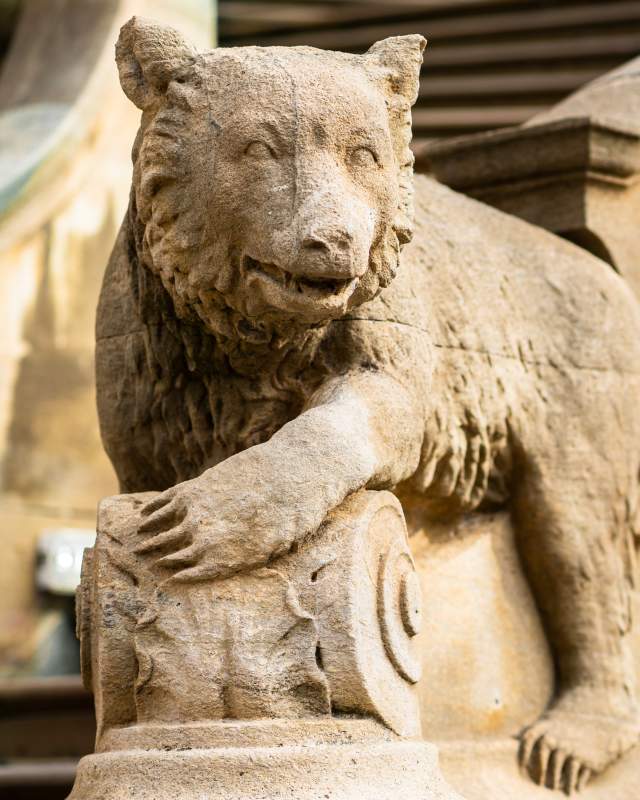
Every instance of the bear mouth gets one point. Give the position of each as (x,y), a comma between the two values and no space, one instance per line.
(299,284)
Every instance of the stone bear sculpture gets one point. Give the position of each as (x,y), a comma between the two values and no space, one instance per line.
(269,341)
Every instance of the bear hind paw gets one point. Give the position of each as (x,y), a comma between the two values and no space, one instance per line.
(563,750)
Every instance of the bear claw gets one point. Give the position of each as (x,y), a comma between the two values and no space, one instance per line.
(563,750)
(552,767)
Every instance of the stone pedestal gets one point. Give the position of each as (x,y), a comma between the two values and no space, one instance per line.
(295,680)
(341,760)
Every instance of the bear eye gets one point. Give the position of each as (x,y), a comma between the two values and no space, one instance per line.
(259,149)
(364,157)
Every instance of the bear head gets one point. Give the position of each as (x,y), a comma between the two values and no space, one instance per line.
(272,187)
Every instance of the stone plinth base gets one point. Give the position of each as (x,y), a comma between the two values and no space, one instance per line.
(342,760)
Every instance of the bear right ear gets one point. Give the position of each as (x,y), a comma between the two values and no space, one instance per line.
(400,58)
(149,56)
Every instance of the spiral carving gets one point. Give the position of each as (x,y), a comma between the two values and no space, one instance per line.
(399,609)
(370,611)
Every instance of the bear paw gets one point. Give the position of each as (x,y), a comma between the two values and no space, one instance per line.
(563,749)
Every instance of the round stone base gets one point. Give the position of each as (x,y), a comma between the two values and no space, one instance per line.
(385,770)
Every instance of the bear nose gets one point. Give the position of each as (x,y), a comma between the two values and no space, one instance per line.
(324,241)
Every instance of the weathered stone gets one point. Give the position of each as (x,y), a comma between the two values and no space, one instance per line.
(270,345)
(483,639)
(308,665)
(487,671)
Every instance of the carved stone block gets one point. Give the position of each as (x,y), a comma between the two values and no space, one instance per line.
(294,679)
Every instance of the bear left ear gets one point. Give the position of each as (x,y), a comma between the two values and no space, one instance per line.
(400,58)
(149,56)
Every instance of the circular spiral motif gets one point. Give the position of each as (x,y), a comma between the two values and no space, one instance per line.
(400,609)
(411,603)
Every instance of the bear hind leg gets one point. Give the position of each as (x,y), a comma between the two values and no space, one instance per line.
(568,545)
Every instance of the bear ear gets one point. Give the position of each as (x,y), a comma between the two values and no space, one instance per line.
(400,59)
(149,56)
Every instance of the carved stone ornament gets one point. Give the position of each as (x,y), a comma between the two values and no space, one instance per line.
(294,338)
(295,679)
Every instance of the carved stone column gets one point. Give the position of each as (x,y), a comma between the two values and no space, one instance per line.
(295,680)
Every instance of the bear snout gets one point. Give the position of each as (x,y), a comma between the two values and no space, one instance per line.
(327,253)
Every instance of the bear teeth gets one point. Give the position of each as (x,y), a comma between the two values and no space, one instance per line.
(296,283)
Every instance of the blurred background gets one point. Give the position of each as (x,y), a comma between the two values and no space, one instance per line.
(66,132)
